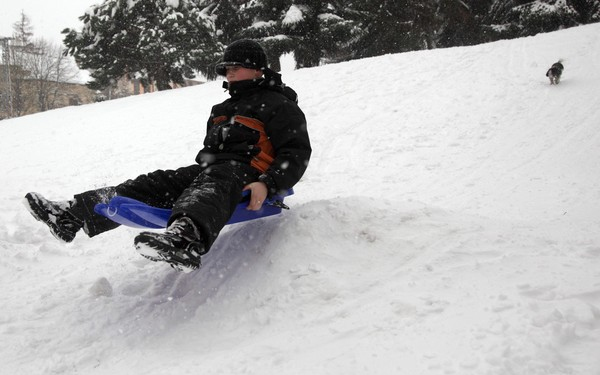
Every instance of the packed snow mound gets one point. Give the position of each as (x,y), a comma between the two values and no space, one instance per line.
(448,223)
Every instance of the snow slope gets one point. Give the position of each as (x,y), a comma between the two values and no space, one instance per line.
(448,224)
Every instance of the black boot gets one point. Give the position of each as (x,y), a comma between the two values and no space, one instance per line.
(180,245)
(63,225)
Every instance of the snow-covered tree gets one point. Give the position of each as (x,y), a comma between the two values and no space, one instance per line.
(514,18)
(262,21)
(457,23)
(253,19)
(164,41)
(157,41)
(227,18)
(314,30)
(302,23)
(588,10)
(545,16)
(320,30)
(395,26)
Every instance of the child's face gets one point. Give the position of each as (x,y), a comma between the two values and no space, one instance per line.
(239,73)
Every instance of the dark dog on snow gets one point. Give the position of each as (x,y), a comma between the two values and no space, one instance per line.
(555,72)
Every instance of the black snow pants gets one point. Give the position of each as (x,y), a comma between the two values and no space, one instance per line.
(207,195)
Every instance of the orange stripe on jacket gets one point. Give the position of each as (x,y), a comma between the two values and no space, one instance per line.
(219,119)
(265,157)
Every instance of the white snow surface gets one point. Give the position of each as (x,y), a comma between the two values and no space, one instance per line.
(448,224)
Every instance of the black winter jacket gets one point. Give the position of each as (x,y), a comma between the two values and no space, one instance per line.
(262,125)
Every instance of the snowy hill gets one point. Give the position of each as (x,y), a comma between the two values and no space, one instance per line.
(447,224)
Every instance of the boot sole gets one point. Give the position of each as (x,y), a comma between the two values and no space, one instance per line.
(157,251)
(38,213)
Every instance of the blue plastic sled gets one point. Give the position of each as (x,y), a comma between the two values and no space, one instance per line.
(133,213)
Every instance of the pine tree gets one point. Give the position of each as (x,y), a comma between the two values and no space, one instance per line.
(458,24)
(396,26)
(261,20)
(313,30)
(21,49)
(158,41)
(323,30)
(301,24)
(545,16)
(512,18)
(228,18)
(588,11)
(23,31)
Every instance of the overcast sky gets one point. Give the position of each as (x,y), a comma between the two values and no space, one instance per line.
(48,18)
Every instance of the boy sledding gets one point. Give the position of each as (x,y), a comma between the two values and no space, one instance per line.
(256,141)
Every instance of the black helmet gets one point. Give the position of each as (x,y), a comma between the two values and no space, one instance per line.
(246,53)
